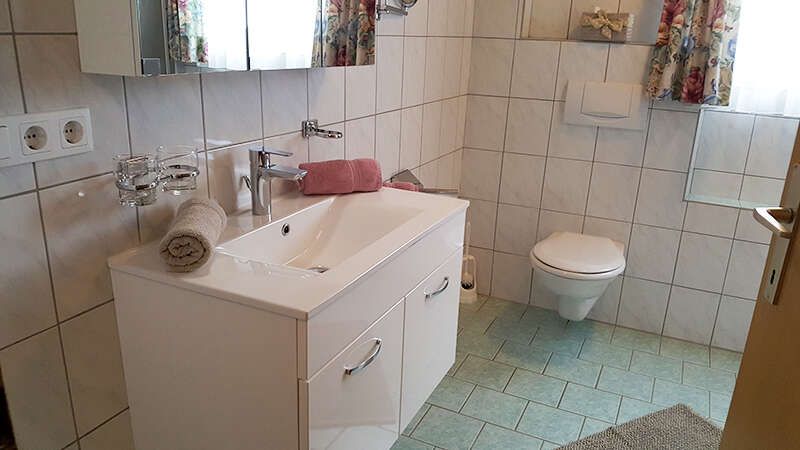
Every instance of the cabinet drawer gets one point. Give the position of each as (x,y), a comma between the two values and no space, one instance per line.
(431,325)
(359,409)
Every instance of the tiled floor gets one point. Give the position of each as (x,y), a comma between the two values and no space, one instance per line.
(526,379)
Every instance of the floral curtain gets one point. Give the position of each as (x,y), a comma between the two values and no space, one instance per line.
(694,55)
(187,41)
(348,34)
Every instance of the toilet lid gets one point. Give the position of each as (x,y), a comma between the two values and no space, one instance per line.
(580,253)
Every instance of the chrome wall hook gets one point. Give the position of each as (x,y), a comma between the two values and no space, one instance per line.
(385,8)
(311,128)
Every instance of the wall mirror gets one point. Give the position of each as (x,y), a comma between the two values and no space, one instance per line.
(740,159)
(160,37)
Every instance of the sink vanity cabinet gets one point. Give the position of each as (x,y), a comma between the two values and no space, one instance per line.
(319,361)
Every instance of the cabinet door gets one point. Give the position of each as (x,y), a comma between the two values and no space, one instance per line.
(354,402)
(431,325)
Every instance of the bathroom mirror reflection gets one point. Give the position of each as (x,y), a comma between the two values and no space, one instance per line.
(740,159)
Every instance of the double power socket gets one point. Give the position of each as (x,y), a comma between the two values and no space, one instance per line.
(36,137)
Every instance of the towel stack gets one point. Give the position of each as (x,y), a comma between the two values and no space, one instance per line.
(194,233)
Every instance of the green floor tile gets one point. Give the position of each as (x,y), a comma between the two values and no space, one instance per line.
(539,388)
(626,383)
(473,306)
(485,373)
(657,366)
(593,426)
(460,357)
(558,341)
(478,344)
(636,340)
(720,403)
(496,438)
(725,359)
(590,329)
(550,446)
(524,356)
(631,409)
(451,393)
(406,443)
(494,407)
(550,424)
(716,380)
(415,420)
(573,369)
(687,351)
(446,429)
(590,402)
(606,354)
(544,318)
(503,308)
(666,393)
(475,321)
(512,330)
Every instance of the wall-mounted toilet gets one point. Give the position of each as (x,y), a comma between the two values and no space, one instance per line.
(578,269)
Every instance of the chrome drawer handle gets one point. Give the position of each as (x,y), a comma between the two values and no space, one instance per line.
(445,284)
(363,364)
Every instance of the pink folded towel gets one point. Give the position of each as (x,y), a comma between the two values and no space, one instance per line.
(403,185)
(341,177)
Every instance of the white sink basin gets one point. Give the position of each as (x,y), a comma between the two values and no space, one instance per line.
(320,237)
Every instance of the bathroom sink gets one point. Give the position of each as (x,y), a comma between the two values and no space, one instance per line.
(319,238)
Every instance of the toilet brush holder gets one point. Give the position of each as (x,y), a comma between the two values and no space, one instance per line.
(469,280)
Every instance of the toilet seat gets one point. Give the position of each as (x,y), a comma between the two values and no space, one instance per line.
(579,256)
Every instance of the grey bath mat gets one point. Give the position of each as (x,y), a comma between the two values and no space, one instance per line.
(675,428)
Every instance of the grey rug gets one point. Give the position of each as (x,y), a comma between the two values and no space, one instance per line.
(675,428)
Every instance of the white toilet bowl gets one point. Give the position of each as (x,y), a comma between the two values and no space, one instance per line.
(578,269)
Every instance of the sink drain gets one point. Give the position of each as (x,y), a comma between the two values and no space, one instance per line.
(319,269)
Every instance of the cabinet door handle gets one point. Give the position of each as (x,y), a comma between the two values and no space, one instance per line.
(366,362)
(445,284)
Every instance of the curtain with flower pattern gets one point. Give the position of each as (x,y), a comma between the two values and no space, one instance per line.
(696,48)
(187,40)
(348,34)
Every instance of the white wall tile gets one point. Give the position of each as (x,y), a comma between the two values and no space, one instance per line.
(691,315)
(581,61)
(456,12)
(116,434)
(643,305)
(448,171)
(669,144)
(652,253)
(5,18)
(771,149)
(431,131)
(612,194)
(16,179)
(466,66)
(723,141)
(535,69)
(26,306)
(37,392)
(745,270)
(411,137)
(733,323)
(549,19)
(702,262)
(326,95)
(552,221)
(417,19)
(648,17)
(707,183)
(660,201)
(711,219)
(226,167)
(453,55)
(522,179)
(435,53)
(28,18)
(480,174)
(284,100)
(482,216)
(570,141)
(232,108)
(326,149)
(85,225)
(486,120)
(748,229)
(390,25)
(762,191)
(94,364)
(516,229)
(360,90)
(389,63)
(612,229)
(617,146)
(528,127)
(511,277)
(10,93)
(437,18)
(360,138)
(387,142)
(566,185)
(490,73)
(495,18)
(449,127)
(413,70)
(629,63)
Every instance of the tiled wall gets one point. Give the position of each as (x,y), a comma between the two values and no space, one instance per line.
(59,220)
(693,269)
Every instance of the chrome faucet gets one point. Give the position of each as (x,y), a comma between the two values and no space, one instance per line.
(262,171)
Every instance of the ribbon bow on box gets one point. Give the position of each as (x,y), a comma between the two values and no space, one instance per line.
(601,21)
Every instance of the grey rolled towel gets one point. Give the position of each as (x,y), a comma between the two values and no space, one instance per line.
(194,233)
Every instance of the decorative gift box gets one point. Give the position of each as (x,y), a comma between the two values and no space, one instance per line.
(602,26)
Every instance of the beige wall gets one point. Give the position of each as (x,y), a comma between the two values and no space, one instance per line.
(59,220)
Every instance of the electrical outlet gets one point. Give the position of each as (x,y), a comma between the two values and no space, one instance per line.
(74,132)
(36,137)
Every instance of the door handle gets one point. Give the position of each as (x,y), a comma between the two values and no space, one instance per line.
(780,221)
(352,370)
(445,284)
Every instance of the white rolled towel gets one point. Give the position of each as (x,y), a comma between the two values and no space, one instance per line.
(194,233)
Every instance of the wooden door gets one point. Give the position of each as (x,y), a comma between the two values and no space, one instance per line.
(765,411)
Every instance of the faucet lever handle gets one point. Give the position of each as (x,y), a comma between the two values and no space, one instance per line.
(271,151)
